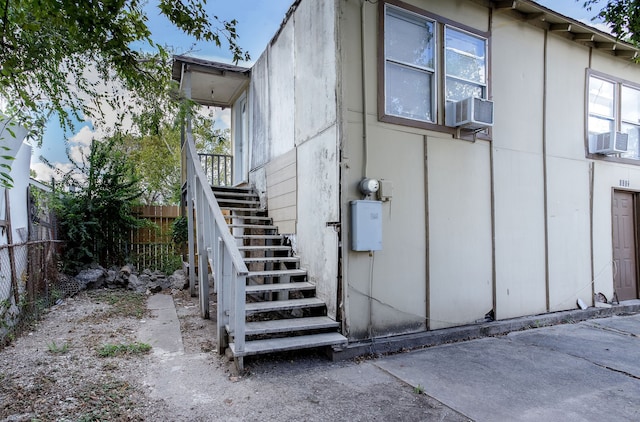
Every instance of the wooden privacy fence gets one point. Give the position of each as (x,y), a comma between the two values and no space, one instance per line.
(151,247)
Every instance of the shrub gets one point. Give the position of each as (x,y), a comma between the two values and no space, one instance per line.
(95,212)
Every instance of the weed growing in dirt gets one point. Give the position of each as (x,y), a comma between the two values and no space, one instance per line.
(124,303)
(107,401)
(418,389)
(57,350)
(111,350)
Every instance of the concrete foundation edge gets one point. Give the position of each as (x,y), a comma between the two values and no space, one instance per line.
(469,332)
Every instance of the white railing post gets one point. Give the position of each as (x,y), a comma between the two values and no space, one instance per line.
(240,301)
(215,246)
(203,273)
(227,280)
(190,228)
(222,311)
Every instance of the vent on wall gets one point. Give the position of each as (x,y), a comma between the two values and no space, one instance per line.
(611,143)
(471,113)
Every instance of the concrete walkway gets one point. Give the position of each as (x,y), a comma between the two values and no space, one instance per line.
(573,372)
(162,330)
(588,371)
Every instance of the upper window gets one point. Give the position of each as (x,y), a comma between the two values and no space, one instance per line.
(409,65)
(424,55)
(465,65)
(614,106)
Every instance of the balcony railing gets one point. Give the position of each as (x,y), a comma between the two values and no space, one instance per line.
(217,168)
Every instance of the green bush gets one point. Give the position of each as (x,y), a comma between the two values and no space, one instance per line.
(95,204)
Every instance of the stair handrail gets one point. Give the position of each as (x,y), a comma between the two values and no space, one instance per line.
(217,248)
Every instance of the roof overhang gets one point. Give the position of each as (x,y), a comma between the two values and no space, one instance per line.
(537,15)
(212,83)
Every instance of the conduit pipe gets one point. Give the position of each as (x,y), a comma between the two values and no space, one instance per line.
(363,58)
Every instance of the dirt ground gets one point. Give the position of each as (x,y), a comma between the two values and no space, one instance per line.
(82,362)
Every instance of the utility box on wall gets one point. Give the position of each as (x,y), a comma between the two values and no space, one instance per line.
(366,225)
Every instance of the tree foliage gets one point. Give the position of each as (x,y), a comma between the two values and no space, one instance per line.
(623,16)
(72,57)
(156,146)
(96,213)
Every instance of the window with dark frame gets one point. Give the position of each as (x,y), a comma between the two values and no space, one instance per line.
(416,66)
(614,106)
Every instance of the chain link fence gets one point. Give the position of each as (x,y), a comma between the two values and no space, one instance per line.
(29,284)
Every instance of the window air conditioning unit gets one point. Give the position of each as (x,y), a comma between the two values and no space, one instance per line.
(611,143)
(471,113)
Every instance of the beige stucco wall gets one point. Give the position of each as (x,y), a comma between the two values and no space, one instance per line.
(505,223)
(293,101)
(428,274)
(568,176)
(460,244)
(607,177)
(524,197)
(518,76)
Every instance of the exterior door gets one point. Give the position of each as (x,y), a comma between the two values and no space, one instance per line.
(241,137)
(624,245)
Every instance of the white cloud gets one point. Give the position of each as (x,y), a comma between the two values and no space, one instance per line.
(84,137)
(600,26)
(224,116)
(45,173)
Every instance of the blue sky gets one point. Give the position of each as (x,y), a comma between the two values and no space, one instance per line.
(258,21)
(571,8)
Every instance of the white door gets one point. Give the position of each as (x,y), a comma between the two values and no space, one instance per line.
(241,147)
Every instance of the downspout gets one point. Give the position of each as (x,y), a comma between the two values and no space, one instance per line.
(182,127)
(363,58)
(544,171)
(181,76)
(592,178)
(365,145)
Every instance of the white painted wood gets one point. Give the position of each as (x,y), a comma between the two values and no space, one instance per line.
(285,187)
(289,343)
(237,202)
(272,259)
(283,305)
(280,287)
(288,325)
(277,175)
(281,182)
(277,273)
(253,226)
(283,214)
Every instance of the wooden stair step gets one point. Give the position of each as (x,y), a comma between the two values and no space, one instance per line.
(277,273)
(248,217)
(283,305)
(264,248)
(256,347)
(253,226)
(237,201)
(265,259)
(232,189)
(279,287)
(275,326)
(240,209)
(231,194)
(260,237)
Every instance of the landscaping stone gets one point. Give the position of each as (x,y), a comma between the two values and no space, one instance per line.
(135,284)
(127,277)
(92,278)
(178,280)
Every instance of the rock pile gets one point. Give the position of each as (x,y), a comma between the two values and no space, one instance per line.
(128,278)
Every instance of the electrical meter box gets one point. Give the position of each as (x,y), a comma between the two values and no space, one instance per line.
(366,225)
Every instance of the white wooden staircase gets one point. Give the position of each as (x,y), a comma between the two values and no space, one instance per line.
(282,311)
